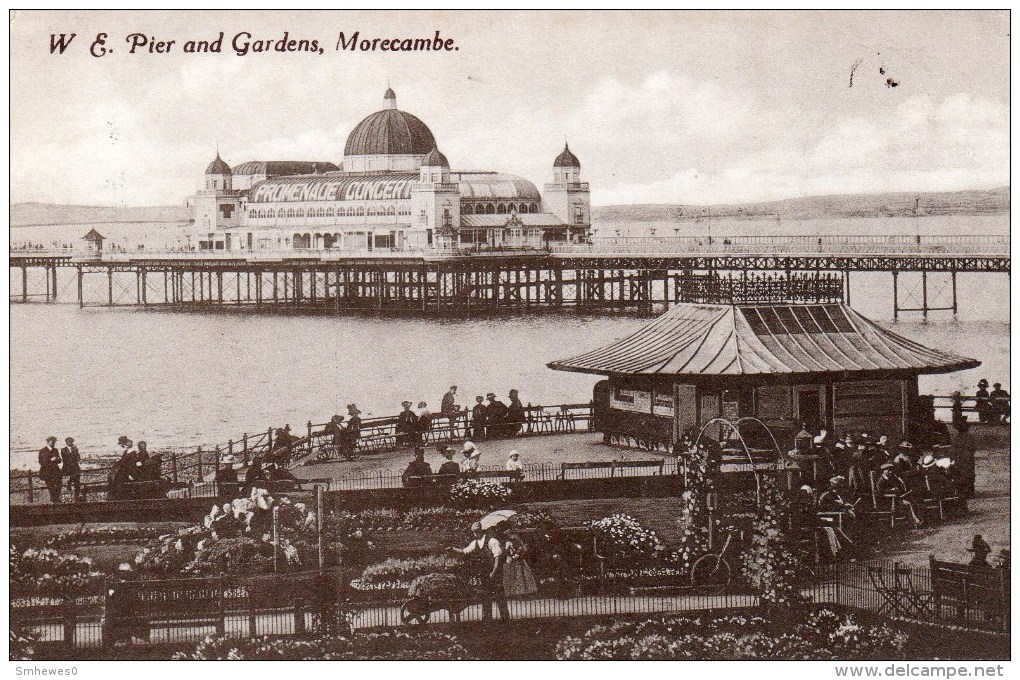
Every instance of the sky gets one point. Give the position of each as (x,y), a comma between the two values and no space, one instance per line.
(682,107)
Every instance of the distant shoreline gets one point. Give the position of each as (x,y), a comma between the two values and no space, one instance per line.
(978,202)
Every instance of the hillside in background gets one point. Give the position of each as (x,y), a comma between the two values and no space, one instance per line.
(977,202)
(30,214)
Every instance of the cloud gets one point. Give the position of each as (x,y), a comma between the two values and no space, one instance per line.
(961,142)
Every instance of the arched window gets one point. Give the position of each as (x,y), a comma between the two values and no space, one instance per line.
(271,212)
(490,209)
(361,211)
(300,212)
(329,211)
(501,209)
(465,209)
(479,209)
(511,208)
(534,207)
(391,211)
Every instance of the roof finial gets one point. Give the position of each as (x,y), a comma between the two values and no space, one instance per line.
(390,98)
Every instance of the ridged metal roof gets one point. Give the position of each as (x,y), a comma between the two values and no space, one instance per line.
(390,132)
(284,168)
(707,340)
(526,219)
(217,167)
(495,185)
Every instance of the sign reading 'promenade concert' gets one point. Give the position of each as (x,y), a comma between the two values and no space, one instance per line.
(511,336)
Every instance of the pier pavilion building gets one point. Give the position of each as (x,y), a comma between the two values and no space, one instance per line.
(394,189)
(823,365)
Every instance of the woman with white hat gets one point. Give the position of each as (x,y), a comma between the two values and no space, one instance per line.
(472,456)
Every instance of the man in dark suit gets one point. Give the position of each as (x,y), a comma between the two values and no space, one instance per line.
(49,468)
(407,425)
(71,459)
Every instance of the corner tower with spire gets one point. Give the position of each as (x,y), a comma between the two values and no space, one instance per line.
(568,197)
(217,207)
(435,203)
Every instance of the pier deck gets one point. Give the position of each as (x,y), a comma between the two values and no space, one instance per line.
(639,275)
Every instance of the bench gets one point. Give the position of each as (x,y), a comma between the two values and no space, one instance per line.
(596,467)
(969,589)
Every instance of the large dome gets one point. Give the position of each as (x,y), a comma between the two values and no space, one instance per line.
(390,132)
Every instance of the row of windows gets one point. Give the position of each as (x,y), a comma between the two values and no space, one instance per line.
(384,211)
(497,208)
(361,211)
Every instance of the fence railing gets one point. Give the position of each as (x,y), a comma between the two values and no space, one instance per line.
(899,244)
(183,468)
(188,609)
(793,245)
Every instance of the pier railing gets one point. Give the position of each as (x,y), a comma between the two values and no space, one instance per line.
(896,244)
(981,244)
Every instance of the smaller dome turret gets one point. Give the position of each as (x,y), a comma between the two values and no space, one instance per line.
(435,159)
(218,167)
(390,98)
(567,159)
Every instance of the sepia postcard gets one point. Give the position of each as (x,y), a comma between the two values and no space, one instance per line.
(511,336)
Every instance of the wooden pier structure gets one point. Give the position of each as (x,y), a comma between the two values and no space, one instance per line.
(636,274)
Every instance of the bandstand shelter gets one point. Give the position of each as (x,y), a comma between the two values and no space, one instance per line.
(820,364)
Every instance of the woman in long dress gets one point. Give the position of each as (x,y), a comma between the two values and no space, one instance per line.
(518,580)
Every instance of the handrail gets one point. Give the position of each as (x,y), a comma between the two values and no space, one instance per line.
(890,244)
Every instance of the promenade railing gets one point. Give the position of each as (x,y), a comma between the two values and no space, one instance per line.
(195,469)
(186,609)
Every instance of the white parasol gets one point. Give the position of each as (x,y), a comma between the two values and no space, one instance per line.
(494,518)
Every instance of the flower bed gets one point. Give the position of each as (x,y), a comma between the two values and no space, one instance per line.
(102,536)
(822,634)
(395,571)
(480,494)
(47,573)
(422,645)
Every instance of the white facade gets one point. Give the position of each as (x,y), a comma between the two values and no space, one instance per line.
(383,200)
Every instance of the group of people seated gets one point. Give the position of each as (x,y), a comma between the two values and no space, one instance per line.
(264,471)
(861,474)
(137,474)
(343,438)
(418,472)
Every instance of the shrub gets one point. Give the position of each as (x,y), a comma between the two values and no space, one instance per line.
(623,539)
(22,641)
(768,563)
